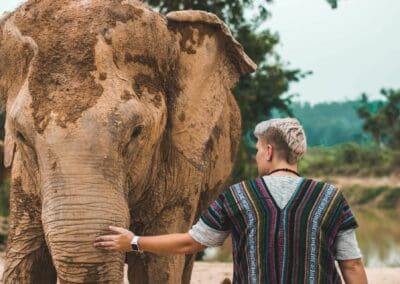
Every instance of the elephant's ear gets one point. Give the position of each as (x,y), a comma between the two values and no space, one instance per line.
(9,148)
(16,53)
(210,63)
(9,145)
(3,99)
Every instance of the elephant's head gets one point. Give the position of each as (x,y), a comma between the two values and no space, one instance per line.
(98,95)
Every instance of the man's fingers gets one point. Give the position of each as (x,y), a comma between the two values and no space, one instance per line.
(110,248)
(104,244)
(106,238)
(118,229)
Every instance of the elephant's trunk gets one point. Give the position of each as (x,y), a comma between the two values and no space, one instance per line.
(75,210)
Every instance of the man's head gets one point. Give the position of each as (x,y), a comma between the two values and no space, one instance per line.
(281,142)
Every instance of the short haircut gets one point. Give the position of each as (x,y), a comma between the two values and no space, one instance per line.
(286,135)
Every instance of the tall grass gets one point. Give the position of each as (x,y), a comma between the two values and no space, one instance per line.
(365,196)
(350,160)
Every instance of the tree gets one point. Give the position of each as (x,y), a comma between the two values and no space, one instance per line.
(2,121)
(333,3)
(343,125)
(383,122)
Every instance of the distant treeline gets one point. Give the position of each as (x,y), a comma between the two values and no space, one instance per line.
(332,123)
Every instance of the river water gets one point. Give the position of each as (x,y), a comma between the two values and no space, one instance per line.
(379,236)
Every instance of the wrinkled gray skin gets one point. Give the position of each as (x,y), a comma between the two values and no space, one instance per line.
(118,116)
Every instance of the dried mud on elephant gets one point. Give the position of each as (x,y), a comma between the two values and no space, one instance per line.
(115,115)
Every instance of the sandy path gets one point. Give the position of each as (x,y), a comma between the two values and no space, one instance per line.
(215,273)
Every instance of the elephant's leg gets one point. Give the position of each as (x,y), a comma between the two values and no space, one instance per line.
(27,256)
(150,268)
(34,266)
(187,270)
(146,268)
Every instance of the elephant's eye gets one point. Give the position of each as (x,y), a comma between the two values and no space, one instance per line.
(21,137)
(136,131)
(23,140)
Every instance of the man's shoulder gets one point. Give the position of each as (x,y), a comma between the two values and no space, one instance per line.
(324,186)
(245,183)
(311,182)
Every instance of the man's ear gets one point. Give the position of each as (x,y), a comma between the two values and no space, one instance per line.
(270,152)
(210,63)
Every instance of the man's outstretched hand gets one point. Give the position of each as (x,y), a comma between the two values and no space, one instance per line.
(168,244)
(116,242)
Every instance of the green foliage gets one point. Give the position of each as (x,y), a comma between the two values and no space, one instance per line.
(370,194)
(232,11)
(4,198)
(383,123)
(359,195)
(330,123)
(333,3)
(347,160)
(366,196)
(2,121)
(245,166)
(391,200)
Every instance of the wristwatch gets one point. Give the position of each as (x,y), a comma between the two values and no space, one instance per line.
(134,244)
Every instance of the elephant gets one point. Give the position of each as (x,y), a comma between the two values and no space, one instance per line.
(115,115)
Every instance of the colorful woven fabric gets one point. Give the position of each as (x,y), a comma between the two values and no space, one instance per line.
(294,244)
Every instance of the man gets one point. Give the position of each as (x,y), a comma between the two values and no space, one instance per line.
(285,228)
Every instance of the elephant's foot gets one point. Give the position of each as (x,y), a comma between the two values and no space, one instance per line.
(27,265)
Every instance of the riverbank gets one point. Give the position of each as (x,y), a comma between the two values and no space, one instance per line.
(217,272)
(381,193)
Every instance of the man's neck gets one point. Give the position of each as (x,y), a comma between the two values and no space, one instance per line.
(283,165)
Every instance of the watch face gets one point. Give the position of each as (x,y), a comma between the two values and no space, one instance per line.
(135,247)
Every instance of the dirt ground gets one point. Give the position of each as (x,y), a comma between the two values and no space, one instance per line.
(216,272)
(207,272)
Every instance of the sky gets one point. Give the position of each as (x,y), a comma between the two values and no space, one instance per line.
(352,49)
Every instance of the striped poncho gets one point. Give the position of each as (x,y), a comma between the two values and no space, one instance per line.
(294,244)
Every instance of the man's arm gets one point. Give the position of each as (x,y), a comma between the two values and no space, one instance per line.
(163,244)
(198,238)
(353,271)
(170,244)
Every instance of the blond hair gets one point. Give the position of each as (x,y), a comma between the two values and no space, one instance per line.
(286,134)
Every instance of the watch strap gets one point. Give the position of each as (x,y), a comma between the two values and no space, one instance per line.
(135,244)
